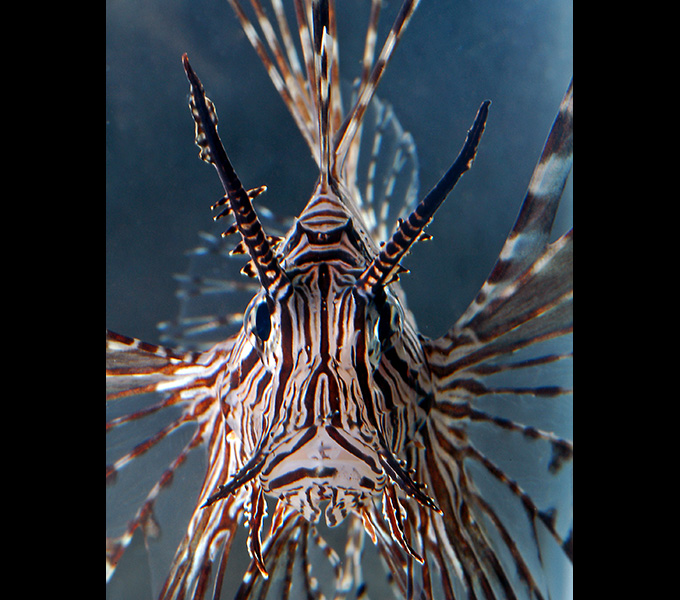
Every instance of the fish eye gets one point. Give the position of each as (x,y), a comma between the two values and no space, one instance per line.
(384,325)
(258,320)
(263,323)
(374,341)
(374,346)
(389,324)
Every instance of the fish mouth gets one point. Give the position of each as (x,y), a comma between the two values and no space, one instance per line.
(322,455)
(320,464)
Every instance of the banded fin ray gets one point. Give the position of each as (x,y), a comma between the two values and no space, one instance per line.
(527,242)
(443,386)
(134,367)
(518,329)
(299,88)
(382,173)
(176,389)
(528,296)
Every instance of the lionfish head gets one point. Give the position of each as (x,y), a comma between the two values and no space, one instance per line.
(310,394)
(325,431)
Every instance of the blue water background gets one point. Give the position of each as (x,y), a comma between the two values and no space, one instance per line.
(454,55)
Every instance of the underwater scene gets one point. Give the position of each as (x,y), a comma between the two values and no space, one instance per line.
(453,55)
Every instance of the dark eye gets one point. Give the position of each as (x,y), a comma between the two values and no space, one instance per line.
(388,325)
(263,324)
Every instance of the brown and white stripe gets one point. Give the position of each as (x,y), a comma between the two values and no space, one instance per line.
(328,400)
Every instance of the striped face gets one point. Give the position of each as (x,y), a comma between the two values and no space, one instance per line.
(328,399)
(318,352)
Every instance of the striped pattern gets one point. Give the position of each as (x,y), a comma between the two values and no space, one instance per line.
(188,384)
(525,302)
(246,220)
(328,404)
(384,269)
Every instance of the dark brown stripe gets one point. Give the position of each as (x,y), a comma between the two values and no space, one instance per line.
(300,474)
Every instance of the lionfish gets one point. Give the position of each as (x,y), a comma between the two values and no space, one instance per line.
(328,405)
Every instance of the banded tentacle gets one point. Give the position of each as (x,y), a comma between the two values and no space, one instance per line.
(212,151)
(528,265)
(385,267)
(328,401)
(519,325)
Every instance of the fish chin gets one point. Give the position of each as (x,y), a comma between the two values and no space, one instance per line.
(321,463)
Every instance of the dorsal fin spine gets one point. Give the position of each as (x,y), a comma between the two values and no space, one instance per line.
(323,56)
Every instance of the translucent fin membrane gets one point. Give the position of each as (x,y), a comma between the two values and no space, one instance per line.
(472,430)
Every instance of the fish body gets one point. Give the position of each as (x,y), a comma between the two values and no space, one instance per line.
(327,400)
